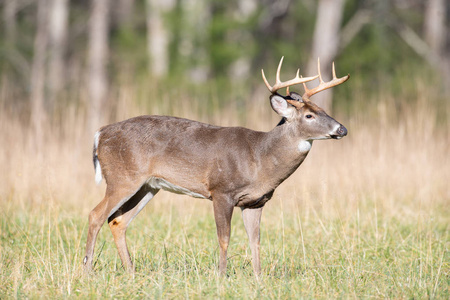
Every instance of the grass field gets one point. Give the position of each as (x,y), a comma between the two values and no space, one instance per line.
(364,217)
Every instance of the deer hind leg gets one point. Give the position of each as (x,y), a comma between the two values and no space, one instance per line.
(113,199)
(119,221)
(252,221)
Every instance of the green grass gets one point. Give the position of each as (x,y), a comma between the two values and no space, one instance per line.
(365,253)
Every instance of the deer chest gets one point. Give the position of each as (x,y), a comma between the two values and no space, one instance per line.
(250,201)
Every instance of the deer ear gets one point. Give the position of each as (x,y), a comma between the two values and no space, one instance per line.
(295,96)
(281,107)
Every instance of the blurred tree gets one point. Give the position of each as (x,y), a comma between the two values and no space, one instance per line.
(199,41)
(125,10)
(325,44)
(436,35)
(241,67)
(158,36)
(431,46)
(58,22)
(38,79)
(221,51)
(434,25)
(9,18)
(189,49)
(98,60)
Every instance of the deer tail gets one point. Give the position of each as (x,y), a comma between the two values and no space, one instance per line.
(98,169)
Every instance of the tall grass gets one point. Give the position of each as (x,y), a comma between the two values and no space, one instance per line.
(366,216)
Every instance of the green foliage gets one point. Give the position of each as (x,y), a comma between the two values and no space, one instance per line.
(130,55)
(215,41)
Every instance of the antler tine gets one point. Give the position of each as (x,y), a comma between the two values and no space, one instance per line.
(297,76)
(318,71)
(277,79)
(265,80)
(333,70)
(280,84)
(322,84)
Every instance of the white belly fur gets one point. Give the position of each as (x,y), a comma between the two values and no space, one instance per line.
(159,183)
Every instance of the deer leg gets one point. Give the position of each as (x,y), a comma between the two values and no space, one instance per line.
(119,221)
(98,216)
(252,220)
(223,211)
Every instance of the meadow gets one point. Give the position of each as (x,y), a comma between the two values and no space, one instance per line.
(363,217)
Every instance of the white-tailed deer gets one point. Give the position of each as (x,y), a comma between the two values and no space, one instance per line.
(231,166)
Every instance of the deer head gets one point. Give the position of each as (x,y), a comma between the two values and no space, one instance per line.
(310,121)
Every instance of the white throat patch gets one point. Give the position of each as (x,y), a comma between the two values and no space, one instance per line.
(304,146)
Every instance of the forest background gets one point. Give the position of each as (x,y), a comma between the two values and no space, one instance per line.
(365,216)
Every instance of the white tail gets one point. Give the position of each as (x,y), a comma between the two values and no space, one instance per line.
(231,166)
(98,169)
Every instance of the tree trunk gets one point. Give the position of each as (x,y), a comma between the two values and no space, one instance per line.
(434,25)
(240,69)
(97,60)
(9,18)
(193,39)
(435,34)
(325,45)
(158,36)
(58,38)
(38,114)
(125,9)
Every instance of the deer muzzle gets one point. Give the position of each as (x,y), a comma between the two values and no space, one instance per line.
(340,132)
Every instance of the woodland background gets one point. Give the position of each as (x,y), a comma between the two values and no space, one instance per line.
(365,216)
(60,53)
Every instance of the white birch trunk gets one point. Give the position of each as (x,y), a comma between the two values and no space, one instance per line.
(325,45)
(125,10)
(435,34)
(97,61)
(240,69)
(434,25)
(196,16)
(37,81)
(158,36)
(58,21)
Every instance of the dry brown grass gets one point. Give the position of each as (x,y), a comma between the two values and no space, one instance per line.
(398,156)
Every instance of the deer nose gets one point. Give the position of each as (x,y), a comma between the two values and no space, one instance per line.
(342,131)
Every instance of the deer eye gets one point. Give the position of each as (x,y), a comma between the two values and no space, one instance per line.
(309,116)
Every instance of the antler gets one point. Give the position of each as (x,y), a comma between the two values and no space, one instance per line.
(279,84)
(323,85)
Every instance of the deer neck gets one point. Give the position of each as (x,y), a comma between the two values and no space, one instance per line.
(288,137)
(285,150)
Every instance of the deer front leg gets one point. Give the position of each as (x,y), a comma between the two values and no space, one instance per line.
(252,220)
(223,211)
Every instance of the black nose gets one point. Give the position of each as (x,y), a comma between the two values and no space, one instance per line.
(342,131)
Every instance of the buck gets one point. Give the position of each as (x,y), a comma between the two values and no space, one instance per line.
(231,166)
